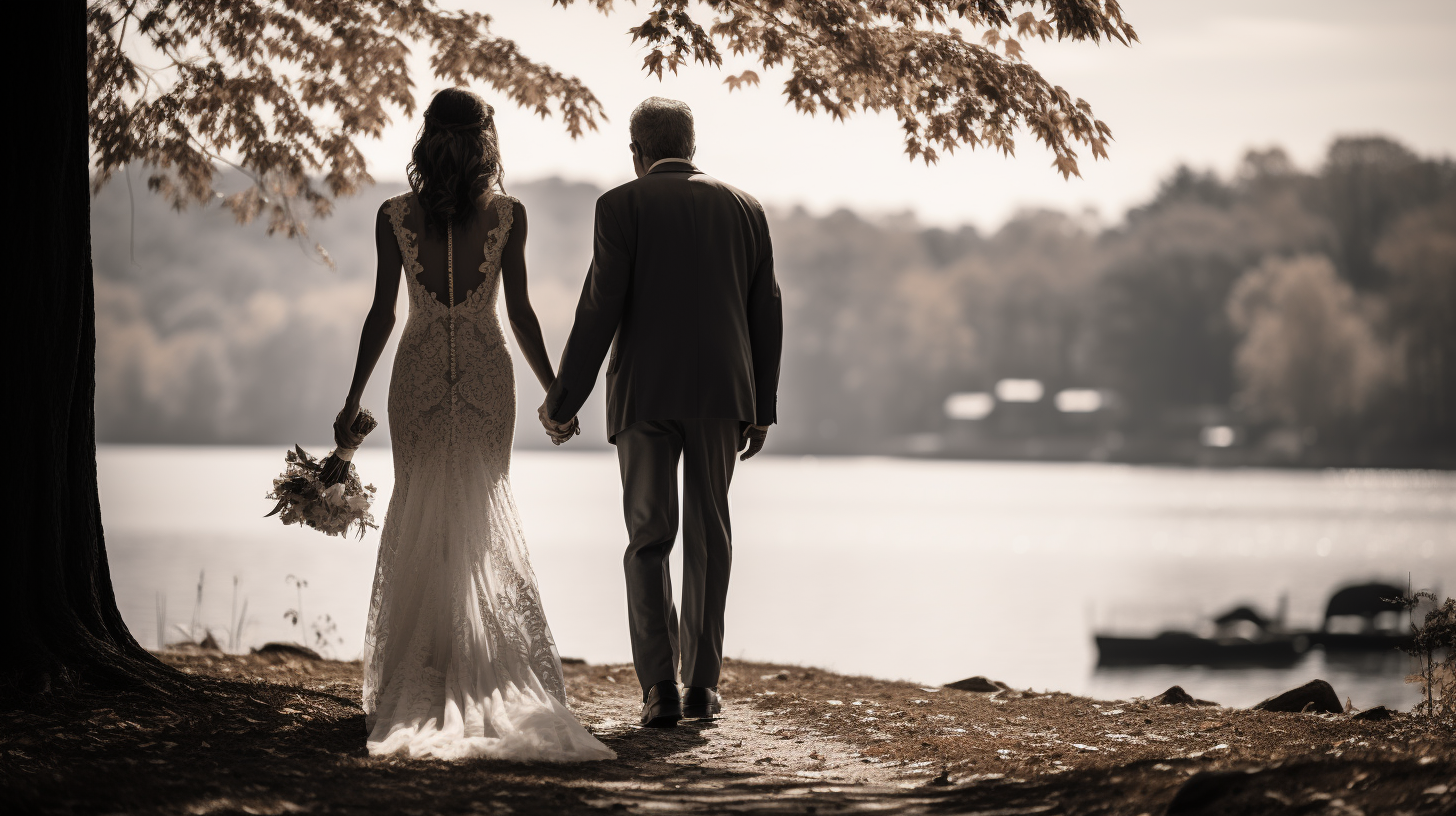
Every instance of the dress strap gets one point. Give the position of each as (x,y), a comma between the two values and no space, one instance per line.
(496,239)
(396,208)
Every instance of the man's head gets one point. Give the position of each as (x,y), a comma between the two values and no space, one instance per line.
(661,129)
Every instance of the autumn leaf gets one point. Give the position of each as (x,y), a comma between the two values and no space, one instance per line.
(745,78)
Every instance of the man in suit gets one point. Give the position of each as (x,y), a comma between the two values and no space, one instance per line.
(682,288)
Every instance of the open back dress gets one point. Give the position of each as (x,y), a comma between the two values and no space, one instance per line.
(458,659)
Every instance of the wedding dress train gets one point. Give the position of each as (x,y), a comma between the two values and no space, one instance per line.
(458,659)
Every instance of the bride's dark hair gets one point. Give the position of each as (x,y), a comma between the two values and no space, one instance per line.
(456,158)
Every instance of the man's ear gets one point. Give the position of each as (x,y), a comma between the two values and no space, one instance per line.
(639,162)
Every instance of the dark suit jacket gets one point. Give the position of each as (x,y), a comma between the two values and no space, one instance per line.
(682,277)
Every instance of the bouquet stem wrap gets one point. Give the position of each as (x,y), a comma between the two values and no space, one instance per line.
(327,496)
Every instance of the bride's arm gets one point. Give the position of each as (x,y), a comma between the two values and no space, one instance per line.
(377,326)
(518,301)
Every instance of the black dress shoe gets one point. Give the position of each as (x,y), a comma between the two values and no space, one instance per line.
(701,703)
(662,707)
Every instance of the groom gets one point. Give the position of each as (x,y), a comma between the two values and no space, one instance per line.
(682,288)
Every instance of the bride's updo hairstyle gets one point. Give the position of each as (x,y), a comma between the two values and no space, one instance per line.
(456,158)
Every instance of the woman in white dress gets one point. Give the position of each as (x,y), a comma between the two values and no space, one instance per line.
(458,659)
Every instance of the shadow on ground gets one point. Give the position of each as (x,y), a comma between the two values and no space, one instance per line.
(287,736)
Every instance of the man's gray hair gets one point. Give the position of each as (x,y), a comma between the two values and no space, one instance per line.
(663,128)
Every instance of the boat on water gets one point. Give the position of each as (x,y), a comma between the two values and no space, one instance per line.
(1188,649)
(1360,618)
(1241,637)
(1364,618)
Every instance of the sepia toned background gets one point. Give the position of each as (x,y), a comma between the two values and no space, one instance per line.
(1015,409)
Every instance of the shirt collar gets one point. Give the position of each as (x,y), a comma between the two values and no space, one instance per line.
(688,162)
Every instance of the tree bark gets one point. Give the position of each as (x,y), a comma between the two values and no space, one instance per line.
(55,585)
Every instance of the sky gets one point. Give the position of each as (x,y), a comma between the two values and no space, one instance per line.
(1207,82)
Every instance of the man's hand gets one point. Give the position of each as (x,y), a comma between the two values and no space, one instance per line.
(561,432)
(756,435)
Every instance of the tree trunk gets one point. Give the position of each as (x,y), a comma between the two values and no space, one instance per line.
(56,585)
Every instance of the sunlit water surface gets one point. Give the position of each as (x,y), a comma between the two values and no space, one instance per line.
(922,570)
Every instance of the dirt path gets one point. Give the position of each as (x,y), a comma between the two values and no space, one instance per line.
(747,760)
(282,735)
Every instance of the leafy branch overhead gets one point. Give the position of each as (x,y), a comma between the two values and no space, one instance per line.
(284,90)
(903,56)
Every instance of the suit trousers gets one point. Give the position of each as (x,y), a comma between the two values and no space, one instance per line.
(648,454)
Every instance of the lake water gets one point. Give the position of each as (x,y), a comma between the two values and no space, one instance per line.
(923,570)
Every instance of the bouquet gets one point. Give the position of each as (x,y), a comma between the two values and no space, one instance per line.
(327,496)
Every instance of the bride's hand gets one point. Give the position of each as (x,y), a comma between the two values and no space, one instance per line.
(344,436)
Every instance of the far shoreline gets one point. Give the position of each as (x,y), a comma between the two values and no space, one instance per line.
(583,447)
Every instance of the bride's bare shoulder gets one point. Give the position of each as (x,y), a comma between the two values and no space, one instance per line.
(518,210)
(508,209)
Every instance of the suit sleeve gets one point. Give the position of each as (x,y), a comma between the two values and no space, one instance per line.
(603,296)
(765,332)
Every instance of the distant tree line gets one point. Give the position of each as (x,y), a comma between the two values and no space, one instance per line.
(1313,312)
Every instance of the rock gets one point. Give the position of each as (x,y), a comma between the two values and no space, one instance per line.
(1211,792)
(1316,696)
(572,661)
(209,643)
(978,683)
(1177,696)
(287,650)
(1376,713)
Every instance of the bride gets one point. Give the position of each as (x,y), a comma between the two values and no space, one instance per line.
(458,659)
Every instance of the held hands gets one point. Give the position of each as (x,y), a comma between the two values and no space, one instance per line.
(561,432)
(755,435)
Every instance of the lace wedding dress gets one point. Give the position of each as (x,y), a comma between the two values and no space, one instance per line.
(458,659)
